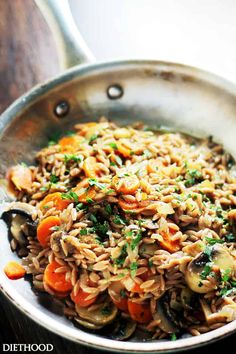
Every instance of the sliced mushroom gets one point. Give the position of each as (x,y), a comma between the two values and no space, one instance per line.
(123,329)
(101,315)
(20,208)
(87,324)
(167,317)
(187,298)
(148,249)
(220,258)
(18,216)
(226,314)
(15,229)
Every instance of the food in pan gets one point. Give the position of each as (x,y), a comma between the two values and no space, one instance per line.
(130,228)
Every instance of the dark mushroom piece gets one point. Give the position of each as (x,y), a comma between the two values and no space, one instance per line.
(220,257)
(188,299)
(18,217)
(123,328)
(167,317)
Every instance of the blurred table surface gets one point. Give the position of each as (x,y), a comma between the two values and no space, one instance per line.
(28,56)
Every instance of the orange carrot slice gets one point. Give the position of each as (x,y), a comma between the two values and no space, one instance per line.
(140,313)
(57,200)
(123,150)
(90,167)
(14,270)
(84,191)
(81,298)
(45,230)
(167,243)
(70,143)
(126,185)
(56,281)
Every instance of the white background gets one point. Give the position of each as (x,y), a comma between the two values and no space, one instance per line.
(201,33)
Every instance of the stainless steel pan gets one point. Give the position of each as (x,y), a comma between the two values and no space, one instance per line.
(160,93)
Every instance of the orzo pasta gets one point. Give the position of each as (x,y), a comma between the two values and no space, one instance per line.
(132,227)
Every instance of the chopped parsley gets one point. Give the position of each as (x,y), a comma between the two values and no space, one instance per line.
(93,218)
(93,138)
(121,259)
(72,157)
(112,163)
(81,206)
(133,269)
(102,228)
(118,220)
(227,291)
(173,337)
(134,243)
(113,146)
(150,263)
(213,241)
(54,178)
(108,209)
(70,195)
(230,237)
(208,252)
(193,176)
(94,182)
(89,200)
(55,228)
(83,232)
(225,276)
(206,271)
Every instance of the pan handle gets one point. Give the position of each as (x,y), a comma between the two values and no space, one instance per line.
(72,49)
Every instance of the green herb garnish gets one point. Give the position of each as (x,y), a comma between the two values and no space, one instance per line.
(113,146)
(133,269)
(213,241)
(74,158)
(93,138)
(136,240)
(119,220)
(70,195)
(94,182)
(54,178)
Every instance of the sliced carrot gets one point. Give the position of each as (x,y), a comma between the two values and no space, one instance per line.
(90,167)
(126,185)
(121,304)
(167,243)
(81,298)
(123,150)
(136,288)
(70,143)
(56,281)
(57,200)
(44,229)
(14,270)
(20,176)
(140,313)
(133,207)
(84,191)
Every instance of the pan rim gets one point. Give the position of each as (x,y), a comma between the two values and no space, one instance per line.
(45,320)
